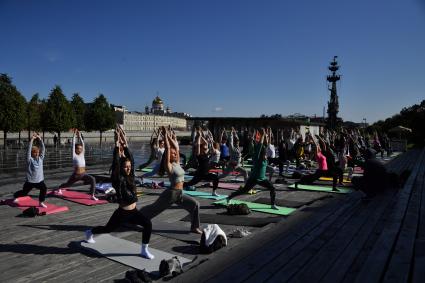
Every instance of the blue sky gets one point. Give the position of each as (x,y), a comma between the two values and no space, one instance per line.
(220,57)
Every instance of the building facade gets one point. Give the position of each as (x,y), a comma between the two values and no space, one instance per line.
(151,119)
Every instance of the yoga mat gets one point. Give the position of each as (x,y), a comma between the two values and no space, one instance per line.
(26,202)
(321,189)
(281,202)
(146,169)
(78,197)
(331,179)
(237,220)
(177,230)
(228,186)
(206,195)
(219,171)
(259,207)
(127,253)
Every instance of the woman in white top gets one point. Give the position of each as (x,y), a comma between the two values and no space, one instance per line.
(79,163)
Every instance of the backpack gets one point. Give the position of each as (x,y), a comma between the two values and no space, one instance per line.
(170,266)
(218,243)
(31,211)
(238,209)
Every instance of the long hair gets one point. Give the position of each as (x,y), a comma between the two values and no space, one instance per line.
(129,178)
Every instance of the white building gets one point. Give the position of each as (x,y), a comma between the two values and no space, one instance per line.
(151,119)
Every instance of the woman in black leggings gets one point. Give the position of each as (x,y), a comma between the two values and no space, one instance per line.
(123,181)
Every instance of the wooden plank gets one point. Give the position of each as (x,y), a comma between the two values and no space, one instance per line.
(267,259)
(331,253)
(374,266)
(340,267)
(418,269)
(288,264)
(402,255)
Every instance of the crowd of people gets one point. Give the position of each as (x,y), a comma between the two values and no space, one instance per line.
(292,155)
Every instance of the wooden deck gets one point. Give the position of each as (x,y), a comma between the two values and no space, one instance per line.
(343,240)
(339,238)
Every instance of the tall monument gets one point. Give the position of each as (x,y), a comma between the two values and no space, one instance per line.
(333,105)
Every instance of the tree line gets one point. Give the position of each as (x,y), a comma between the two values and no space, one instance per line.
(412,117)
(55,114)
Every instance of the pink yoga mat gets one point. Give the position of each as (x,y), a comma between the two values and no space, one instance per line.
(77,197)
(229,186)
(26,202)
(221,171)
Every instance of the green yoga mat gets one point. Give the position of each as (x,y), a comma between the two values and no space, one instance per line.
(321,189)
(146,169)
(204,195)
(260,207)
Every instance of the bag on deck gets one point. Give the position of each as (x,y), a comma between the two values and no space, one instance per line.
(31,211)
(212,239)
(238,209)
(170,266)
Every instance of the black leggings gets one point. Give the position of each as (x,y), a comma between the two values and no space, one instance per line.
(208,177)
(336,173)
(28,187)
(121,216)
(251,183)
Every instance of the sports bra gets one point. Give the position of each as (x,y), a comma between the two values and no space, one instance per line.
(176,174)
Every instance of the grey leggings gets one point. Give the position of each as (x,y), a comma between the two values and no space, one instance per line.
(86,178)
(167,198)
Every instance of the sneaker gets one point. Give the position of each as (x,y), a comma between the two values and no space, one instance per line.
(274,207)
(89,237)
(145,253)
(42,204)
(214,194)
(239,233)
(94,198)
(16,200)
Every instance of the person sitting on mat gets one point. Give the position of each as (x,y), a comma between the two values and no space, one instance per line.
(175,194)
(258,173)
(235,161)
(202,172)
(122,177)
(35,175)
(79,162)
(375,178)
(323,170)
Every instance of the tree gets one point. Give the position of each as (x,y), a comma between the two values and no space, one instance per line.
(58,113)
(34,108)
(79,108)
(12,107)
(100,116)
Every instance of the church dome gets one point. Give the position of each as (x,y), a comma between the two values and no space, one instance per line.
(157,104)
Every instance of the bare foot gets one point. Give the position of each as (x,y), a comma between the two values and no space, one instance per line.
(196,230)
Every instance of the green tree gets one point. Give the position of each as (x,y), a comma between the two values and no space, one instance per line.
(58,112)
(100,116)
(79,108)
(12,107)
(34,113)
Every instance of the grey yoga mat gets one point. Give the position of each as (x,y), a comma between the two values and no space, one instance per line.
(127,252)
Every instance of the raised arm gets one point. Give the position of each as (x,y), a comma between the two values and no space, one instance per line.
(73,145)
(30,148)
(42,147)
(82,142)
